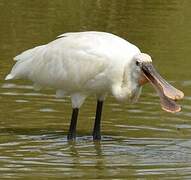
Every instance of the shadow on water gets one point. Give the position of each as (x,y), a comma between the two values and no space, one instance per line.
(139,140)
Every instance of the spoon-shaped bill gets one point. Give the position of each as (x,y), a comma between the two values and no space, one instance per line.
(167,93)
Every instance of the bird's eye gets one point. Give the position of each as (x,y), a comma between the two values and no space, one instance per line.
(137,63)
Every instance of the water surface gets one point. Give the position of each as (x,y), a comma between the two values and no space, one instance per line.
(139,140)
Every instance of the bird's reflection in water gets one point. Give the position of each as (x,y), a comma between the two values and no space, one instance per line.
(73,149)
(100,161)
(80,154)
(97,146)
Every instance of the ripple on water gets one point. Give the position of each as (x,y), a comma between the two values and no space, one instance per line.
(138,139)
(29,153)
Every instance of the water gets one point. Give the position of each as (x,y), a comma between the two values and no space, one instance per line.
(139,140)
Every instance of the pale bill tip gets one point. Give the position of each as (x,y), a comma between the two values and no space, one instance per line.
(172,111)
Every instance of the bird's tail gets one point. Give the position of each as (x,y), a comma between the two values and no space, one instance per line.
(23,63)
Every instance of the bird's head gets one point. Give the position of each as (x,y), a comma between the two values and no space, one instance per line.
(147,73)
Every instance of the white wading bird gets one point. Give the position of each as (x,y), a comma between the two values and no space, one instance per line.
(85,63)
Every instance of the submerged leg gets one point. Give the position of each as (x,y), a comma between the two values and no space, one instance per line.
(96,130)
(72,129)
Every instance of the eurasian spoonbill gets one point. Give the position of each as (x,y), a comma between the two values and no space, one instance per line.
(85,63)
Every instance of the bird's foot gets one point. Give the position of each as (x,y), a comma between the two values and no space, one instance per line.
(71,137)
(96,137)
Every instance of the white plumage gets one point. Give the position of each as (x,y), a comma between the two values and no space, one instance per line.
(85,63)
(80,64)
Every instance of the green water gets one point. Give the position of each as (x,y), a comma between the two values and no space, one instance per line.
(139,140)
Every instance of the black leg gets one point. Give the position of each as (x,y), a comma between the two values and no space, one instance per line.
(72,129)
(96,130)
